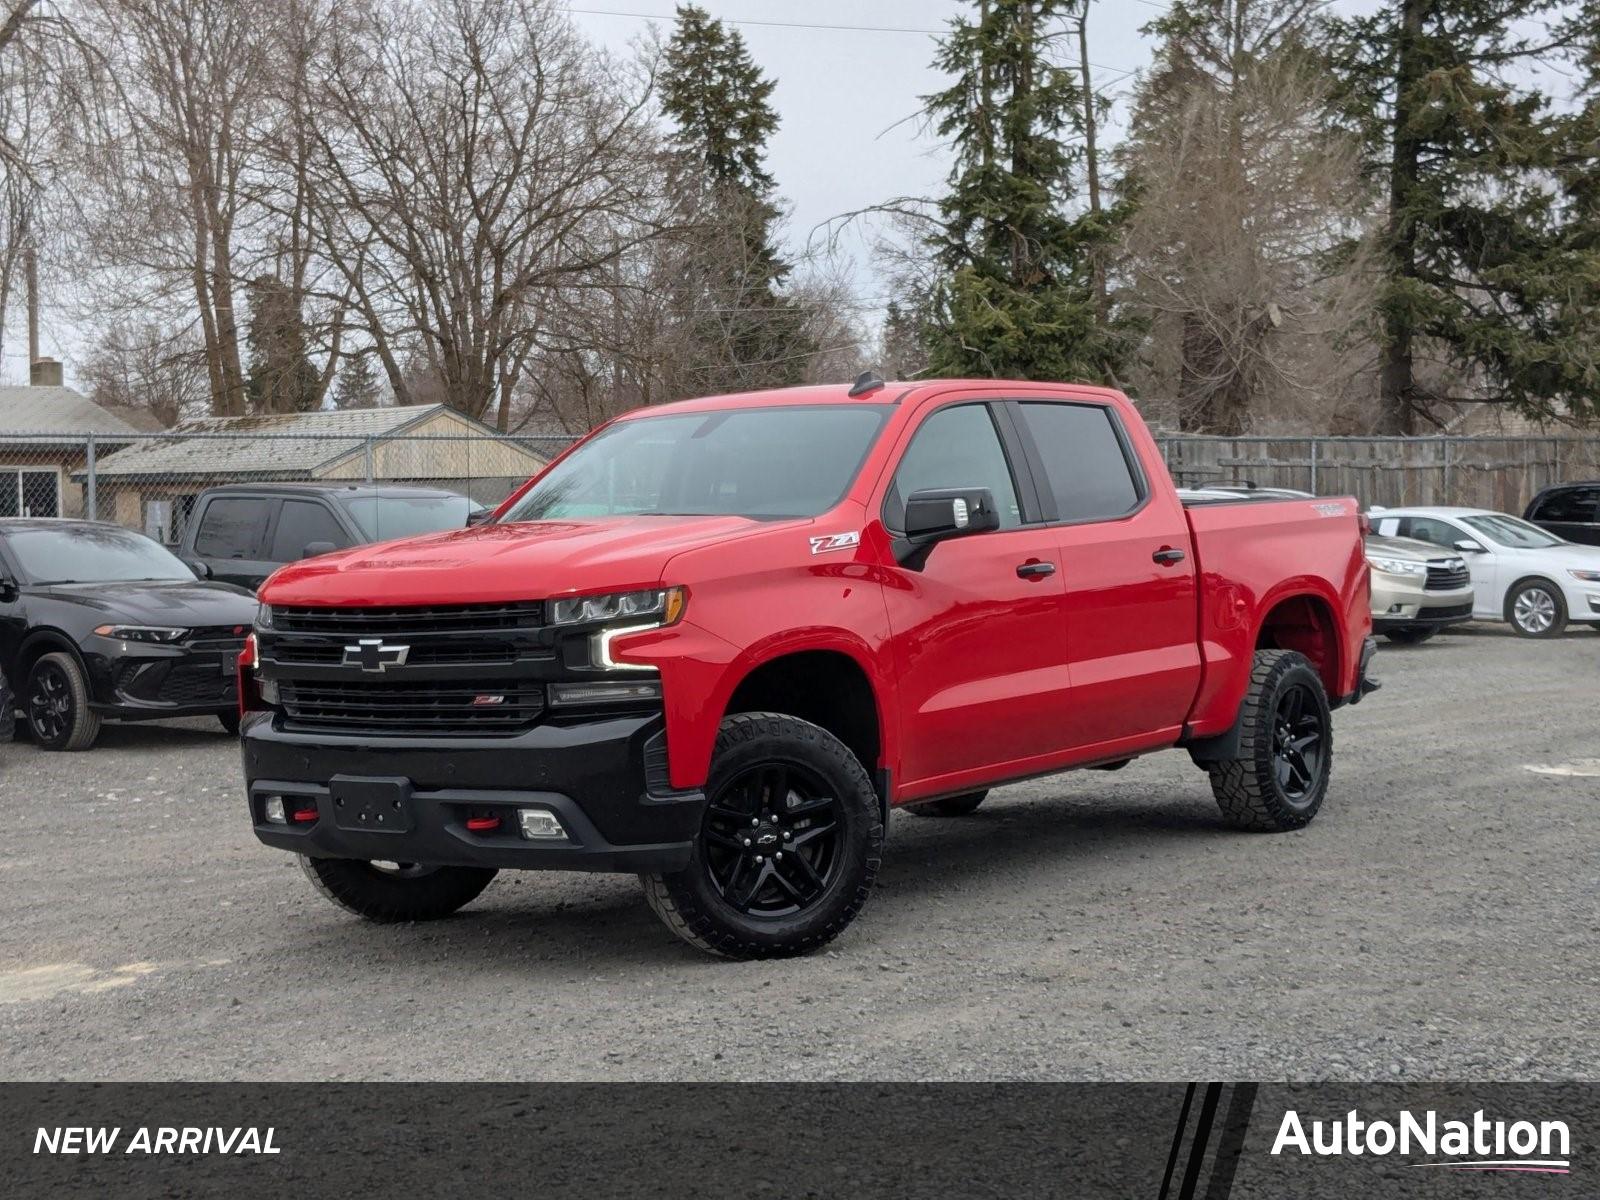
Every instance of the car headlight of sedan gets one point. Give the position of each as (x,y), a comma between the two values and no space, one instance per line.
(1397,566)
(141,633)
(1586,576)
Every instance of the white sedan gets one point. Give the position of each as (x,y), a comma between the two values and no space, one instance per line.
(1520,573)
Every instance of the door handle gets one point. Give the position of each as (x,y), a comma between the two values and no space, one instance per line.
(1035,570)
(1166,556)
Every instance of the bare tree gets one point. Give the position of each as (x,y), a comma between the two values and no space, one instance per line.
(147,368)
(1244,190)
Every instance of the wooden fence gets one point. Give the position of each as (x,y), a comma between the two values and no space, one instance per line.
(1478,472)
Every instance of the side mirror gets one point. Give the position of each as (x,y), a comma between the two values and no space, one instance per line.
(200,569)
(315,548)
(479,517)
(937,515)
(1468,546)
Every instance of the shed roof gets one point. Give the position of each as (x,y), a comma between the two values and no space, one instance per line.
(45,410)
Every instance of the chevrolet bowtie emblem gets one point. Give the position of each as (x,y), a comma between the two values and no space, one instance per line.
(375,654)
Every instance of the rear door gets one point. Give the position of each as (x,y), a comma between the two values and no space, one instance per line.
(231,538)
(979,634)
(1128,570)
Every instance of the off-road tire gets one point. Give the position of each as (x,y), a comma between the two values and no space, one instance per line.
(1247,788)
(388,899)
(229,719)
(949,806)
(83,725)
(688,902)
(1414,636)
(1522,586)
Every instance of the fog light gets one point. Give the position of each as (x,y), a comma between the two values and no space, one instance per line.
(563,694)
(274,809)
(540,824)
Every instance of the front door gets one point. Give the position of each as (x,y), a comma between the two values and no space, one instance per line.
(231,538)
(979,641)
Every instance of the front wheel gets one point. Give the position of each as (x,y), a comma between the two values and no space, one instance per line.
(1535,609)
(229,718)
(57,704)
(388,893)
(788,849)
(1280,776)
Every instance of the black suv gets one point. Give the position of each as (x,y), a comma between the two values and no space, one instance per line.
(1568,510)
(241,533)
(99,621)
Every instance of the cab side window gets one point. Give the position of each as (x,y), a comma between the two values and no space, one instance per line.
(232,527)
(956,447)
(1085,463)
(1569,504)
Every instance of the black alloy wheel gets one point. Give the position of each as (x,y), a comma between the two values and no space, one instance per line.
(50,703)
(1297,737)
(771,839)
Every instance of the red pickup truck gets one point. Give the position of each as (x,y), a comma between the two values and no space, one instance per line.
(717,641)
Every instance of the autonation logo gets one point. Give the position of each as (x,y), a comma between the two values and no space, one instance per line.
(1480,1144)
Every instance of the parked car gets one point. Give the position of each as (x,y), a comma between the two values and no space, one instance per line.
(715,642)
(1569,510)
(241,533)
(1520,573)
(98,621)
(1417,590)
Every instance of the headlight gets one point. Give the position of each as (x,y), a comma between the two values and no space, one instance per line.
(264,617)
(663,606)
(1397,566)
(1586,576)
(140,633)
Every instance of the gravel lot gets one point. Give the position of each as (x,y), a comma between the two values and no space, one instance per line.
(1437,921)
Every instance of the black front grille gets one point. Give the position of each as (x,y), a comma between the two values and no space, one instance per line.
(1445,614)
(416,707)
(424,654)
(1446,579)
(454,618)
(177,682)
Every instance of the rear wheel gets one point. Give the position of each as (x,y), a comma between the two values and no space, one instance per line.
(57,704)
(1535,609)
(949,806)
(230,720)
(1280,776)
(788,849)
(390,892)
(1413,636)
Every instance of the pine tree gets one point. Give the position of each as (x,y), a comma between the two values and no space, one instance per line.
(1018,295)
(747,333)
(357,384)
(1481,269)
(282,377)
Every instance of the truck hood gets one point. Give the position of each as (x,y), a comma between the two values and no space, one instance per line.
(522,560)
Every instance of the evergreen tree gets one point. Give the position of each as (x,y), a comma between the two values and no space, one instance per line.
(1018,294)
(1481,266)
(747,334)
(357,384)
(282,377)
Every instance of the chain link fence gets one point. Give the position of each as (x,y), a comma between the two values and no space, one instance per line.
(149,482)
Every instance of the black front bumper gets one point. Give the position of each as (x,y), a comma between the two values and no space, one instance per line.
(605,780)
(131,681)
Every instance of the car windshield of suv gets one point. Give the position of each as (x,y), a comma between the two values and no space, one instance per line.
(749,462)
(384,518)
(1512,532)
(92,554)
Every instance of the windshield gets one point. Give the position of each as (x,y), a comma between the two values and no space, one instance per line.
(92,554)
(748,462)
(1509,531)
(383,518)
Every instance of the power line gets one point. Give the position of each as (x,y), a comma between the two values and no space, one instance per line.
(605,12)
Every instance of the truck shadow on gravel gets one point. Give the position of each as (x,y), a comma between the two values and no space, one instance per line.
(531,920)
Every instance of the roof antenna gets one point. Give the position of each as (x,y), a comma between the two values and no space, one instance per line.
(867,381)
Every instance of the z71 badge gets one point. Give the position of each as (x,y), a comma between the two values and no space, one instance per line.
(835,541)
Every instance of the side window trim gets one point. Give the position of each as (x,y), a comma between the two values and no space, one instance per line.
(1022,480)
(1141,483)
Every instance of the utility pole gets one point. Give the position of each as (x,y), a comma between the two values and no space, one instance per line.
(1091,155)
